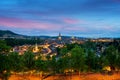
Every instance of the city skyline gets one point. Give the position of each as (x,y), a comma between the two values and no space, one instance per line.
(83,18)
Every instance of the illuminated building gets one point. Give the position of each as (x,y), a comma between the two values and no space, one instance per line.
(35,49)
(59,37)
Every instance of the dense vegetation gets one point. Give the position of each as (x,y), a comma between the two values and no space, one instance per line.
(18,42)
(71,58)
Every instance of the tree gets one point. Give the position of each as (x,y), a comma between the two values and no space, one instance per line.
(63,51)
(103,61)
(15,42)
(111,54)
(4,67)
(53,65)
(92,61)
(78,58)
(118,61)
(4,49)
(41,66)
(63,64)
(89,45)
(71,46)
(15,61)
(28,60)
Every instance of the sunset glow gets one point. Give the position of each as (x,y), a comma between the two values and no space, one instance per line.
(84,18)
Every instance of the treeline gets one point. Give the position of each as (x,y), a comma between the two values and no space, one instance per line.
(92,57)
(71,58)
(16,42)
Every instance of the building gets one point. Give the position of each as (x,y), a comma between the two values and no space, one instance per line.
(35,49)
(59,37)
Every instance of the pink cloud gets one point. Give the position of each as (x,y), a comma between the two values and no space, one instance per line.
(28,24)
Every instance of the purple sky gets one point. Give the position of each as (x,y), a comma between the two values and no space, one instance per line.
(84,18)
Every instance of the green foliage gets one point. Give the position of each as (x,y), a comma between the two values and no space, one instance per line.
(53,64)
(63,64)
(118,61)
(78,58)
(4,63)
(63,51)
(92,61)
(16,61)
(28,60)
(15,42)
(103,61)
(70,46)
(89,45)
(4,67)
(75,57)
(41,65)
(111,54)
(3,47)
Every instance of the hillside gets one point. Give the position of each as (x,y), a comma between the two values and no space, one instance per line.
(8,34)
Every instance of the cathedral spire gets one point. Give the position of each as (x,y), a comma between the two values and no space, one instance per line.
(35,47)
(59,37)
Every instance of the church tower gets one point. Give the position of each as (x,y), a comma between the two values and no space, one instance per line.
(35,49)
(59,37)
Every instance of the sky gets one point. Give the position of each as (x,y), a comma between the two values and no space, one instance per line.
(83,18)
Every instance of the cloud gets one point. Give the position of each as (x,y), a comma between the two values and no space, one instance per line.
(68,16)
(28,24)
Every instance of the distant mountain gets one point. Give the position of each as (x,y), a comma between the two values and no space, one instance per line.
(10,34)
(6,32)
